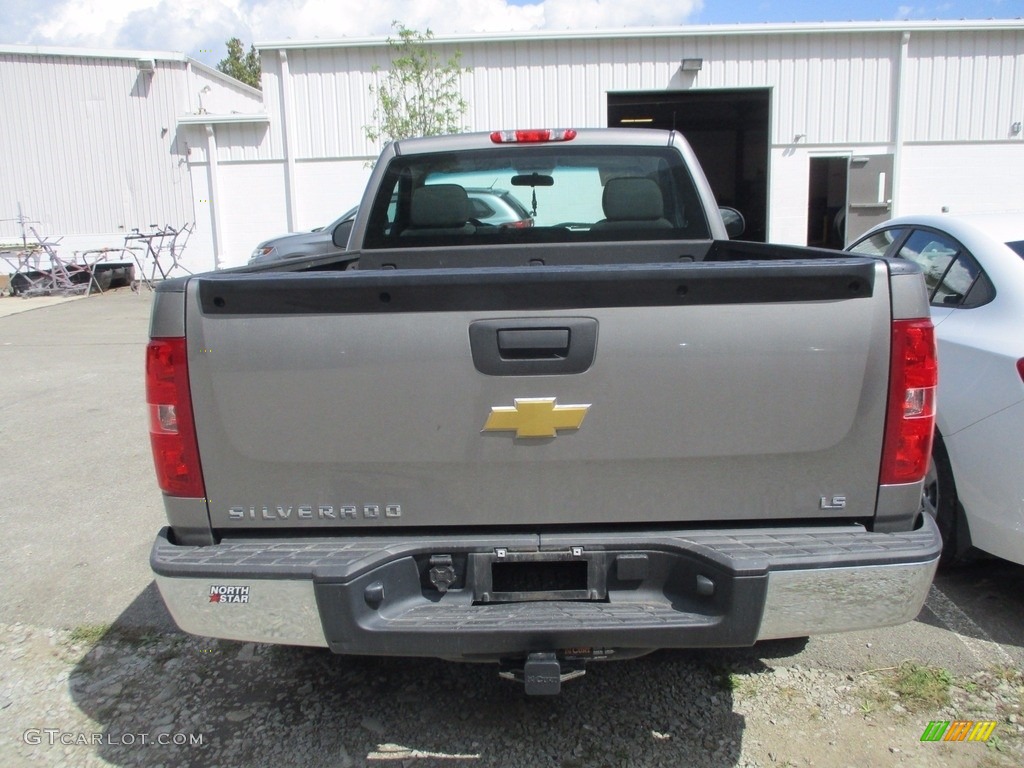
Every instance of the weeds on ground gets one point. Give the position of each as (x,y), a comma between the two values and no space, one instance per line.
(921,687)
(725,680)
(916,687)
(1008,674)
(88,634)
(89,643)
(737,683)
(77,645)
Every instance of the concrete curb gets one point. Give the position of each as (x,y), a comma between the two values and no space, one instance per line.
(15,305)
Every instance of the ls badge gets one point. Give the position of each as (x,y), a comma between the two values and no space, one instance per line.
(535,417)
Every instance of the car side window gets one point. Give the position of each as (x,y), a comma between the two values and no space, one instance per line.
(950,271)
(878,244)
(480,209)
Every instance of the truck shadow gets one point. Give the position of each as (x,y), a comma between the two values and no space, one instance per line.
(166,698)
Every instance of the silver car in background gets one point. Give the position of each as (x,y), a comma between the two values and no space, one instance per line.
(313,243)
(496,207)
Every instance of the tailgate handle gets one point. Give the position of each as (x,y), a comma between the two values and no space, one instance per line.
(533,343)
(540,346)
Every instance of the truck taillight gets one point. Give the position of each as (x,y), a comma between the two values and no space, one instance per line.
(172,432)
(910,420)
(533,136)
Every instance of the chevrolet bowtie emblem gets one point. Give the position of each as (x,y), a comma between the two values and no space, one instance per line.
(535,417)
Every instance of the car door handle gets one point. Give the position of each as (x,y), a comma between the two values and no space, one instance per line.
(533,346)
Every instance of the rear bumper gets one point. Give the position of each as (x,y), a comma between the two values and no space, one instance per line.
(644,590)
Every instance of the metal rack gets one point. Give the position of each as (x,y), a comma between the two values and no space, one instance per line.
(40,270)
(158,246)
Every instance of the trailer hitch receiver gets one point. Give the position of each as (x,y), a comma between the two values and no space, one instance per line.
(542,674)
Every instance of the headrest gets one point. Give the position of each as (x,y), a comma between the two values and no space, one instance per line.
(632,199)
(439,205)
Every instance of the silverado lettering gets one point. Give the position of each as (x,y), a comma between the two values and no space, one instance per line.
(321,511)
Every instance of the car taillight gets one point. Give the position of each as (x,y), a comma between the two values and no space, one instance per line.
(533,136)
(520,224)
(172,432)
(910,419)
(1020,368)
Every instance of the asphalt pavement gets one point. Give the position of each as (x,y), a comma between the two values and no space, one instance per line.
(79,505)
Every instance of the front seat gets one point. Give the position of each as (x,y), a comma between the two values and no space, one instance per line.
(439,209)
(632,203)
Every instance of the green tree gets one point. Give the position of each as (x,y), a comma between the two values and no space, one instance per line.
(420,94)
(241,65)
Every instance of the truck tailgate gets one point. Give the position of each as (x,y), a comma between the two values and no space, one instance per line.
(541,397)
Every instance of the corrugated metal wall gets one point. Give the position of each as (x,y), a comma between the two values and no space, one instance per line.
(835,87)
(964,87)
(224,97)
(829,87)
(90,144)
(329,100)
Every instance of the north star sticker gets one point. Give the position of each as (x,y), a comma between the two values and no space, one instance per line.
(535,417)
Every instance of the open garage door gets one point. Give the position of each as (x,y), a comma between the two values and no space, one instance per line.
(728,131)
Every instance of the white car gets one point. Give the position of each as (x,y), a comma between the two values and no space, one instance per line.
(974,269)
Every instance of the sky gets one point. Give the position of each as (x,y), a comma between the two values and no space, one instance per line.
(200,28)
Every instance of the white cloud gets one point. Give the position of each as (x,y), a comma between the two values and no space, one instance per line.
(195,25)
(325,18)
(184,25)
(613,14)
(83,22)
(277,19)
(139,23)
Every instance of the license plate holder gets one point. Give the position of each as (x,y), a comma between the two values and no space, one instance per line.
(507,577)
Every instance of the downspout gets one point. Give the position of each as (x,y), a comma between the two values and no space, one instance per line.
(289,149)
(190,84)
(899,109)
(211,157)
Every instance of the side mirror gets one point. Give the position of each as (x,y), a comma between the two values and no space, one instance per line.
(733,220)
(340,234)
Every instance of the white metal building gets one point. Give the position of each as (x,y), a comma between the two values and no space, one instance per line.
(815,131)
(92,147)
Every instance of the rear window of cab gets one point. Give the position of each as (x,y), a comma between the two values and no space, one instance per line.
(537,193)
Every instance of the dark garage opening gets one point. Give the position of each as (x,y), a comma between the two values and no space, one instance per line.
(826,202)
(728,131)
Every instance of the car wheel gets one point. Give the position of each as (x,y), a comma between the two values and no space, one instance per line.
(941,501)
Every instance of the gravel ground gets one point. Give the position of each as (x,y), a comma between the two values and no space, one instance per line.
(102,696)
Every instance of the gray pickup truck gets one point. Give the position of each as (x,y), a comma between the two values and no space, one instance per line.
(610,431)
